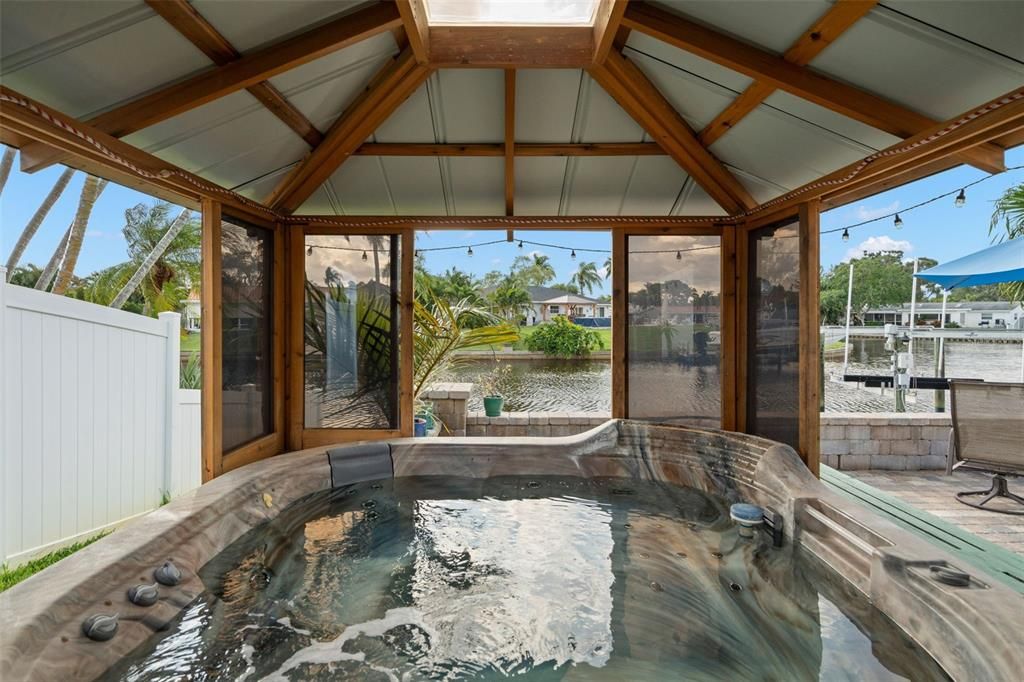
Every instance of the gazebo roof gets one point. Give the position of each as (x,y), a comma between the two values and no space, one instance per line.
(271,99)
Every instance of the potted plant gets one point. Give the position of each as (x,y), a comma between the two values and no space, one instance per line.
(419,425)
(490,386)
(424,409)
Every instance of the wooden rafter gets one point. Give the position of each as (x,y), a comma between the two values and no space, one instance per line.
(190,23)
(510,141)
(839,17)
(797,80)
(417,30)
(607,19)
(518,149)
(511,47)
(392,86)
(640,98)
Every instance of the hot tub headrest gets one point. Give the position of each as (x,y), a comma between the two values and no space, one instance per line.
(362,462)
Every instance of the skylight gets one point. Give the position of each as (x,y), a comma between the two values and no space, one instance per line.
(511,12)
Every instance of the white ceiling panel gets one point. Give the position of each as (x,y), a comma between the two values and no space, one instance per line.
(694,201)
(761,189)
(546,104)
(597,184)
(697,67)
(412,121)
(784,150)
(697,100)
(771,24)
(918,67)
(261,188)
(323,88)
(477,185)
(831,122)
(653,186)
(415,184)
(601,119)
(360,187)
(31,29)
(267,21)
(84,77)
(470,105)
(996,24)
(539,184)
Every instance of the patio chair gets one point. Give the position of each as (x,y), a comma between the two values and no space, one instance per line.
(988,435)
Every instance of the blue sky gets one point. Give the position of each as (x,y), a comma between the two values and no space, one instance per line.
(938,231)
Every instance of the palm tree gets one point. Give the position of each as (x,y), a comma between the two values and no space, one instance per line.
(5,166)
(43,283)
(37,218)
(1009,211)
(510,298)
(586,277)
(151,261)
(607,267)
(91,190)
(541,270)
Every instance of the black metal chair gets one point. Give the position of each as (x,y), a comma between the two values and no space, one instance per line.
(988,435)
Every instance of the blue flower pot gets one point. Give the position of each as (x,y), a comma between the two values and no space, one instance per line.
(419,427)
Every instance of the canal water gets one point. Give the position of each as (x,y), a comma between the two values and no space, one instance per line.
(586,385)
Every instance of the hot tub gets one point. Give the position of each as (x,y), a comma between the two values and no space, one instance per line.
(608,555)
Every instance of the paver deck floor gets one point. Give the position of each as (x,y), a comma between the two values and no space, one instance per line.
(933,492)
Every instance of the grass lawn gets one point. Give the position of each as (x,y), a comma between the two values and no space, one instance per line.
(9,577)
(524,333)
(190,342)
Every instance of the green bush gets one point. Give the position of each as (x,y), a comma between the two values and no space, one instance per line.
(562,338)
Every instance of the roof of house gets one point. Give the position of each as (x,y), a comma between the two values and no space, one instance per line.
(552,295)
(922,62)
(962,306)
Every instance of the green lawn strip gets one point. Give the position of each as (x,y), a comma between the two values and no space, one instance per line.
(996,561)
(9,577)
(524,333)
(190,342)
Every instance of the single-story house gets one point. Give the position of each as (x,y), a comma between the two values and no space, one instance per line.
(547,303)
(966,314)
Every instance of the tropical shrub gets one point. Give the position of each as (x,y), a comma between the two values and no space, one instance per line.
(565,339)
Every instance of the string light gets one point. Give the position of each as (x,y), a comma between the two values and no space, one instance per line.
(364,255)
(846,235)
(573,254)
(469,251)
(309,250)
(961,199)
(679,255)
(897,222)
(520,243)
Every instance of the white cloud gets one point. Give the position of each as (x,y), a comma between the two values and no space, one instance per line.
(865,213)
(495,261)
(879,243)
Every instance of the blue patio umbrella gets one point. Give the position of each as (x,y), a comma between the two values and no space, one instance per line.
(1000,263)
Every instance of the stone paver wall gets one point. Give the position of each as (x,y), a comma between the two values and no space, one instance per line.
(893,440)
(450,407)
(533,423)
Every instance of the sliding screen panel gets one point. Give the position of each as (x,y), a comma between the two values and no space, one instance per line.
(246,341)
(351,331)
(674,333)
(773,326)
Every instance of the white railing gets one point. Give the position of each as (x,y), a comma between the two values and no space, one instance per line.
(93,427)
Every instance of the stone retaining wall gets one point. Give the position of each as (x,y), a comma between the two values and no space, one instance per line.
(533,423)
(450,407)
(894,440)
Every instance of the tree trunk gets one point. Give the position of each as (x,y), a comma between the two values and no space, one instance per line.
(37,219)
(150,260)
(46,276)
(91,190)
(5,166)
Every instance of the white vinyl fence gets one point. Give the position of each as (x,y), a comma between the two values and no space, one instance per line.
(93,427)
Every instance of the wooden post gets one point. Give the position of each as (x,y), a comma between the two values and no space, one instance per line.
(810,417)
(294,360)
(210,352)
(729,329)
(620,324)
(406,408)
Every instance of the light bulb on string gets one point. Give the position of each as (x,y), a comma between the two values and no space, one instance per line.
(469,251)
(897,222)
(846,235)
(364,255)
(573,254)
(960,200)
(679,255)
(309,250)
(520,243)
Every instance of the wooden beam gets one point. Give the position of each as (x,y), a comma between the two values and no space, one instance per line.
(210,353)
(389,224)
(518,149)
(295,348)
(251,69)
(400,77)
(417,28)
(1000,117)
(406,294)
(190,23)
(797,80)
(511,47)
(620,324)
(728,329)
(809,345)
(607,18)
(510,141)
(839,17)
(641,99)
